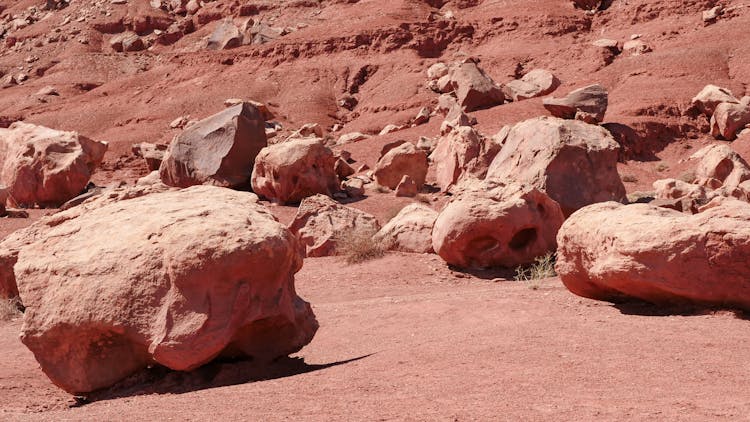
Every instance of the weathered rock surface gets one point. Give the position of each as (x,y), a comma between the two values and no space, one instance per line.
(399,161)
(226,35)
(46,167)
(536,83)
(152,153)
(730,118)
(291,171)
(710,97)
(463,153)
(490,224)
(588,104)
(474,89)
(410,230)
(219,150)
(321,223)
(575,163)
(720,163)
(108,292)
(614,252)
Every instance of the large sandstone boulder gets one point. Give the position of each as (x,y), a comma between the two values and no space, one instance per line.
(291,171)
(490,224)
(219,150)
(474,89)
(402,160)
(720,164)
(588,104)
(410,230)
(109,292)
(463,153)
(730,118)
(322,223)
(613,252)
(575,163)
(710,97)
(226,35)
(46,167)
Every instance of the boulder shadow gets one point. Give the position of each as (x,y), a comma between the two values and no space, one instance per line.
(219,373)
(490,274)
(640,308)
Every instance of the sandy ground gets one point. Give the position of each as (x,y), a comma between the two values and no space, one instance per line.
(404,338)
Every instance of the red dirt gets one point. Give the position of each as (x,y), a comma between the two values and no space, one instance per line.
(432,344)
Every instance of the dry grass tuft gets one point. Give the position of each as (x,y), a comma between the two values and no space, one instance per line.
(543,267)
(10,309)
(359,246)
(687,177)
(629,178)
(661,167)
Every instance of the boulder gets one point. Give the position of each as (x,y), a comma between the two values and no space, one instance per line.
(3,199)
(710,97)
(575,163)
(491,224)
(536,83)
(615,252)
(354,188)
(410,230)
(463,153)
(46,167)
(225,36)
(291,171)
(473,88)
(219,150)
(730,118)
(588,104)
(609,44)
(152,153)
(105,297)
(343,169)
(127,41)
(402,160)
(720,163)
(321,223)
(407,187)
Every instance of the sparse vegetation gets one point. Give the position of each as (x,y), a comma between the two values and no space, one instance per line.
(543,267)
(661,167)
(10,309)
(629,178)
(393,211)
(687,177)
(423,198)
(359,246)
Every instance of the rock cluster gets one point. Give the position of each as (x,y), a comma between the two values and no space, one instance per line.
(728,114)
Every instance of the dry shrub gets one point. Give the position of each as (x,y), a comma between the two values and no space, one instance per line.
(687,177)
(10,309)
(359,246)
(423,198)
(543,267)
(629,178)
(661,167)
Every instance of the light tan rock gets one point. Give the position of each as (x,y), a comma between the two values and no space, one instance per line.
(404,159)
(291,171)
(474,89)
(410,230)
(575,163)
(615,252)
(636,47)
(721,163)
(536,83)
(105,297)
(321,223)
(46,167)
(710,97)
(490,224)
(730,118)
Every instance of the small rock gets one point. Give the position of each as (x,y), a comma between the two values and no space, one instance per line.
(407,187)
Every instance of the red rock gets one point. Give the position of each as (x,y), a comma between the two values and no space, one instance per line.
(490,224)
(105,297)
(152,153)
(46,167)
(291,171)
(402,160)
(343,169)
(614,252)
(473,88)
(588,104)
(354,188)
(636,47)
(536,83)
(321,223)
(575,163)
(3,199)
(127,41)
(410,230)
(463,153)
(407,187)
(730,118)
(218,150)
